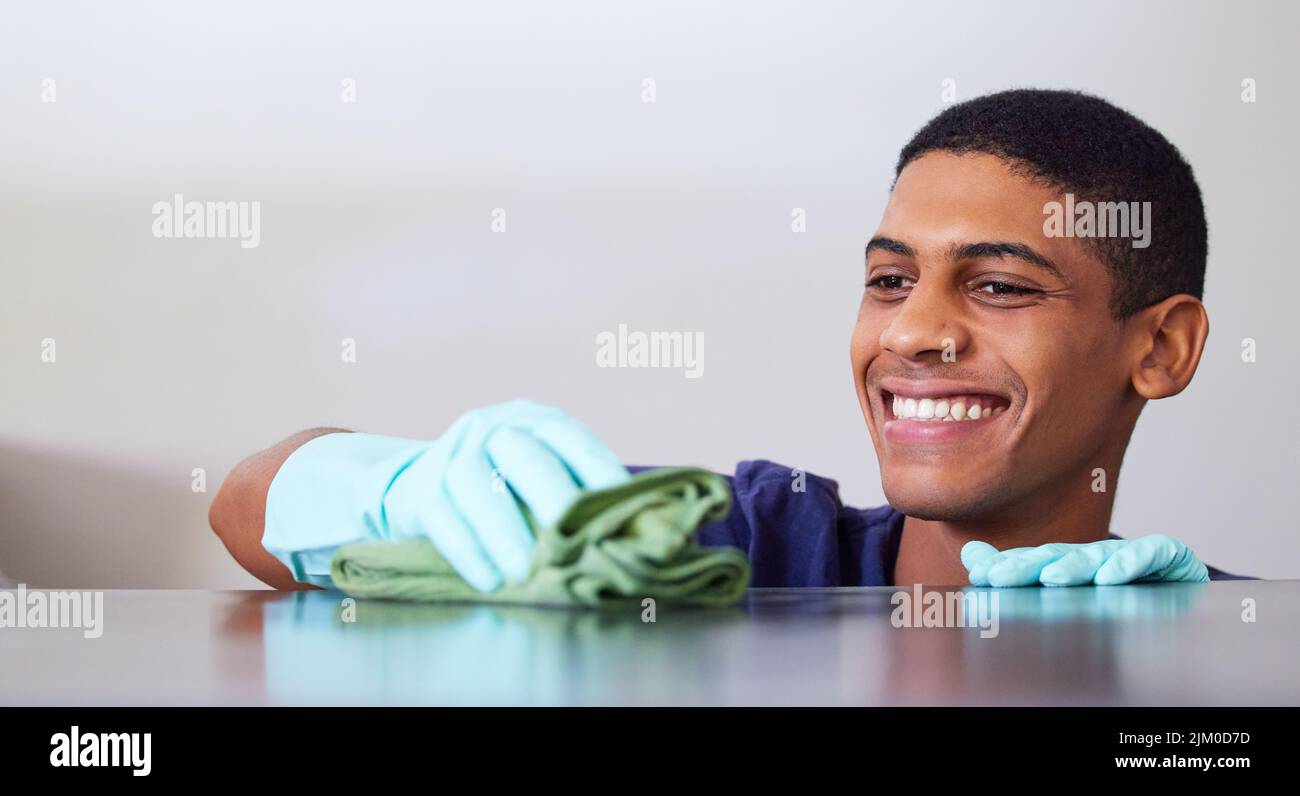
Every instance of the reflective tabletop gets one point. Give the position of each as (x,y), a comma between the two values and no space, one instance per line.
(1223,643)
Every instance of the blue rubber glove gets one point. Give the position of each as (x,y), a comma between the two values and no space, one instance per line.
(1107,563)
(463,491)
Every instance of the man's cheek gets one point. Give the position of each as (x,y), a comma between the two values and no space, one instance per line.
(868,329)
(1063,422)
(863,347)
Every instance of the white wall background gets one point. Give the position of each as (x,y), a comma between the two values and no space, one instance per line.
(183,354)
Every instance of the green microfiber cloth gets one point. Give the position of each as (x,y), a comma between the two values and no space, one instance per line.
(612,546)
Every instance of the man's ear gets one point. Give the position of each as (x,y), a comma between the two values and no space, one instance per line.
(1169,339)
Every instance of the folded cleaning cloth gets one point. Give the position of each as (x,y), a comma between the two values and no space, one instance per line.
(611,546)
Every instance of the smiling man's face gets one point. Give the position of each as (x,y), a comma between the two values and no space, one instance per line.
(970,310)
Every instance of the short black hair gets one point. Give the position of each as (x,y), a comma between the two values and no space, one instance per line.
(1084,145)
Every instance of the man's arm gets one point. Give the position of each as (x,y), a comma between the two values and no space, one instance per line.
(284,512)
(238,512)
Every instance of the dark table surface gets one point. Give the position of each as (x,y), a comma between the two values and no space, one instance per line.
(1156,644)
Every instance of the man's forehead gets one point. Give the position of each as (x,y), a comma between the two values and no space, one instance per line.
(942,184)
(942,200)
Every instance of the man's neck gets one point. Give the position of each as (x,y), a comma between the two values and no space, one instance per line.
(930,550)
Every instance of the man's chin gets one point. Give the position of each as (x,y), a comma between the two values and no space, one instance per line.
(943,505)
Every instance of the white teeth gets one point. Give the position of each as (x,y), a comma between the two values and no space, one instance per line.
(942,409)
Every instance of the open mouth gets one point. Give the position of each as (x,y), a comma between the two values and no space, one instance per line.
(937,411)
(943,408)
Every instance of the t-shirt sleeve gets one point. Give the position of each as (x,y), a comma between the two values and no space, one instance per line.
(787,522)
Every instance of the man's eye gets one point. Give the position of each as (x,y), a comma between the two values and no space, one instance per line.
(888,282)
(1006,289)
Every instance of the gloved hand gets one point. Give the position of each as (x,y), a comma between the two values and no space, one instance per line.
(466,491)
(1107,563)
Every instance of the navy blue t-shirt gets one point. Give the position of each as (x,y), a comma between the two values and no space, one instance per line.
(810,538)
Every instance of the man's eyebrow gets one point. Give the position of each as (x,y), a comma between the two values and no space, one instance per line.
(890,245)
(971,251)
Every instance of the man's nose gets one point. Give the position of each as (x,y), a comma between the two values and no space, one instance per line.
(928,322)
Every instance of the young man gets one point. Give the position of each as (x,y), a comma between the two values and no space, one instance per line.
(1035,280)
